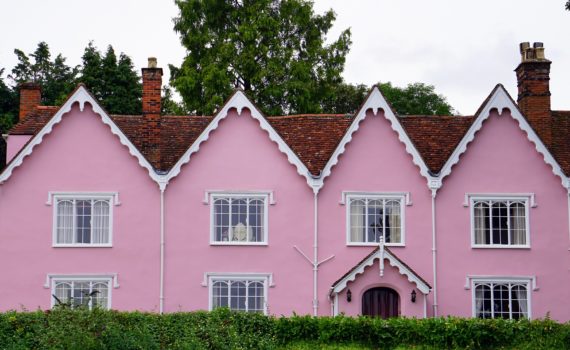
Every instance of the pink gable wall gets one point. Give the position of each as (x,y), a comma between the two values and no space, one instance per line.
(502,160)
(374,161)
(14,144)
(81,154)
(239,156)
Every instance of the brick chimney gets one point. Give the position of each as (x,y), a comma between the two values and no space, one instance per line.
(533,81)
(30,98)
(151,106)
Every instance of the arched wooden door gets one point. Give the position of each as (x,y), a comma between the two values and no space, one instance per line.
(381,302)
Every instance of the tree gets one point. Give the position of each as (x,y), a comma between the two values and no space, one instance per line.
(115,83)
(416,98)
(568,5)
(55,77)
(272,49)
(168,105)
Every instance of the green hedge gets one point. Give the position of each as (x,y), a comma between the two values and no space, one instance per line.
(222,329)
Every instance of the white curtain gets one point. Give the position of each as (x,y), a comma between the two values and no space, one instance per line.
(479,299)
(357,220)
(100,222)
(394,221)
(518,223)
(481,213)
(65,222)
(521,294)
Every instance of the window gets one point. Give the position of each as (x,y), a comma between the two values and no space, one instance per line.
(82,292)
(373,217)
(82,221)
(501,299)
(500,222)
(239,219)
(239,293)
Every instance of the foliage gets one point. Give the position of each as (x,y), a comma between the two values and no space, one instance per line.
(272,49)
(56,78)
(568,5)
(414,99)
(221,329)
(112,81)
(169,105)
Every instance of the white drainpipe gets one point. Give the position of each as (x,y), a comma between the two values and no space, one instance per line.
(434,251)
(315,257)
(161,304)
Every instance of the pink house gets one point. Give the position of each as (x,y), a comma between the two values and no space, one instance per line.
(374,213)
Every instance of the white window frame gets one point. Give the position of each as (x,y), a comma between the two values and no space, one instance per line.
(527,199)
(109,279)
(54,197)
(403,197)
(265,278)
(250,195)
(528,282)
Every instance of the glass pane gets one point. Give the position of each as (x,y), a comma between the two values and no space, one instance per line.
(518,223)
(519,302)
(375,215)
(393,230)
(62,292)
(357,220)
(221,220)
(256,220)
(481,223)
(220,294)
(501,301)
(239,220)
(101,222)
(81,294)
(99,295)
(483,301)
(499,223)
(64,222)
(255,297)
(83,219)
(237,295)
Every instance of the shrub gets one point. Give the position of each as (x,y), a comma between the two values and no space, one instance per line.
(65,328)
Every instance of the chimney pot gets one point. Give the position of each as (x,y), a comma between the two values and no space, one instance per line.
(152,62)
(537,44)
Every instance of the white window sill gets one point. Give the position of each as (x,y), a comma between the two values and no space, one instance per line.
(490,246)
(354,244)
(239,243)
(82,246)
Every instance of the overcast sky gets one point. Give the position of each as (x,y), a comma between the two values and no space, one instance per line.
(464,48)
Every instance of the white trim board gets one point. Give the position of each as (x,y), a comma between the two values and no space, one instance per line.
(394,262)
(500,100)
(82,276)
(80,96)
(375,102)
(239,101)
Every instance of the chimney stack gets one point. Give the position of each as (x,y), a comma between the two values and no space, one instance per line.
(533,81)
(30,98)
(151,106)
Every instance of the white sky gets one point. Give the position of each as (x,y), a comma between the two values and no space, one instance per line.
(462,47)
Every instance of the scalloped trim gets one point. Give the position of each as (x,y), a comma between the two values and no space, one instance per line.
(239,101)
(394,262)
(80,96)
(375,101)
(501,100)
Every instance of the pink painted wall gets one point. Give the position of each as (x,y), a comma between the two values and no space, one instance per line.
(502,160)
(81,154)
(374,161)
(239,156)
(14,144)
(392,278)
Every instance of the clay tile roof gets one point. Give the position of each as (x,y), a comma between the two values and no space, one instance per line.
(560,146)
(436,137)
(34,121)
(178,133)
(313,137)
